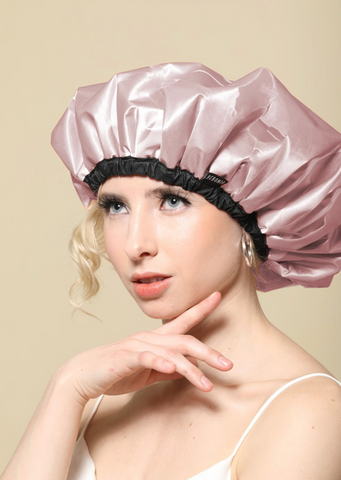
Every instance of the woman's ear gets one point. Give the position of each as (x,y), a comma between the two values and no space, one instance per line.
(246,236)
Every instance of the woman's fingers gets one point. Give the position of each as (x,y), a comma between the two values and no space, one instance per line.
(186,368)
(156,376)
(170,361)
(187,345)
(184,322)
(153,361)
(168,354)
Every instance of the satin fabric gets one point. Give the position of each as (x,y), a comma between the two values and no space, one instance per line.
(279,158)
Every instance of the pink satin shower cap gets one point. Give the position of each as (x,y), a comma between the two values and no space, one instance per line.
(248,146)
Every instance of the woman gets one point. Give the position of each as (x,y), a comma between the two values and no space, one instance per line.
(160,155)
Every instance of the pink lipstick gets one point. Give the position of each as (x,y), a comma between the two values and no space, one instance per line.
(150,284)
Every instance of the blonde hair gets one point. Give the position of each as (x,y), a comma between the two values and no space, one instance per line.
(87,249)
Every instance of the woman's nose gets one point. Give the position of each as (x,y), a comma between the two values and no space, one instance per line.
(141,239)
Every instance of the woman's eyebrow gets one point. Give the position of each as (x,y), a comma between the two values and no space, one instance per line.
(167,188)
(108,196)
(111,196)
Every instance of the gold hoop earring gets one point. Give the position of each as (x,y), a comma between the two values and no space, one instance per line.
(247,251)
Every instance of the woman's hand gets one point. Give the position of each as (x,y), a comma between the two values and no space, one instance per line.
(165,353)
(121,367)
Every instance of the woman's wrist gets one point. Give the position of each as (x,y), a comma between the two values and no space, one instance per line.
(62,384)
(51,433)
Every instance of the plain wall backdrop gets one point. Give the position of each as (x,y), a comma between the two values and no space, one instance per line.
(49,48)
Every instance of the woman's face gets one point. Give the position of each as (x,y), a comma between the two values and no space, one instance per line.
(171,248)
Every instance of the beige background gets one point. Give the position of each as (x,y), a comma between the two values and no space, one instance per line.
(49,48)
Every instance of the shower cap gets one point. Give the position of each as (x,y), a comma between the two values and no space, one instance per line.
(248,146)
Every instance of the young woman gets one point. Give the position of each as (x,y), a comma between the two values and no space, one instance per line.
(199,190)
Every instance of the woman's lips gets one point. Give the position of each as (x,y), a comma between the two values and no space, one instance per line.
(150,286)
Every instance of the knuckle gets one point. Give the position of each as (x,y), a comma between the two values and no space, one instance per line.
(192,341)
(192,368)
(189,370)
(141,336)
(171,352)
(117,356)
(155,362)
(188,343)
(131,344)
(144,356)
(184,347)
(191,338)
(148,359)
(187,323)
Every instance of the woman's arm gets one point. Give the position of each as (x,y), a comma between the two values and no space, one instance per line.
(45,450)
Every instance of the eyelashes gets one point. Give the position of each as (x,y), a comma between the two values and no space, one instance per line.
(107,200)
(167,194)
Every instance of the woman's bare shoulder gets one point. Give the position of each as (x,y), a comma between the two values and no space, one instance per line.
(298,436)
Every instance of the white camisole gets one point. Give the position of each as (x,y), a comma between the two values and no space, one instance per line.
(82,466)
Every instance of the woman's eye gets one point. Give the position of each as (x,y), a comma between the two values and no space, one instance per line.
(172,202)
(117,208)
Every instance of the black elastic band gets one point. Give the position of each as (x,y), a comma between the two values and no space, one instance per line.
(153,168)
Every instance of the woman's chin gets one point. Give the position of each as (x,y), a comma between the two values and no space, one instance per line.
(160,312)
(159,309)
(171,304)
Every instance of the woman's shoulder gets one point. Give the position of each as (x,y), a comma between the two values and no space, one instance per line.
(310,396)
(299,434)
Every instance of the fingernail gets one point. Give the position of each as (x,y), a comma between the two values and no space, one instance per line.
(206,382)
(224,362)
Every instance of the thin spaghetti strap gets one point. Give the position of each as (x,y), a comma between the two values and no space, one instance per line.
(91,416)
(273,396)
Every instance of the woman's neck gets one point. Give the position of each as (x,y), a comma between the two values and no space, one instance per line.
(239,329)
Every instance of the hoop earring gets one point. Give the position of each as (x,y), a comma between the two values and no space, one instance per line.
(247,251)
